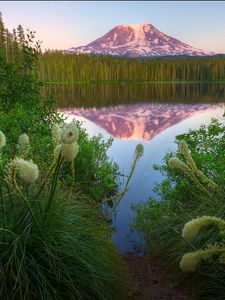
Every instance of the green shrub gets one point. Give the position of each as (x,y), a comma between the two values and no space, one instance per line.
(21,107)
(23,110)
(96,174)
(183,199)
(53,242)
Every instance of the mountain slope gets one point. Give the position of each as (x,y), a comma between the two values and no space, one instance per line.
(138,40)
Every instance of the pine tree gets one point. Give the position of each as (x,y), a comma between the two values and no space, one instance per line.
(2,35)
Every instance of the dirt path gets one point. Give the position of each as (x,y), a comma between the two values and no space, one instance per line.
(152,281)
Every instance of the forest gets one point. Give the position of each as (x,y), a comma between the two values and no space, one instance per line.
(56,66)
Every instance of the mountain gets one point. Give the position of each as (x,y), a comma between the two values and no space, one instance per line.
(139,122)
(140,40)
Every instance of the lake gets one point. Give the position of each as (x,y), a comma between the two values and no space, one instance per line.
(151,114)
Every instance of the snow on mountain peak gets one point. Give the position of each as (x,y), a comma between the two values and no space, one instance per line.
(138,40)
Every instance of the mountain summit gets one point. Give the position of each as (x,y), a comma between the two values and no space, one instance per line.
(138,40)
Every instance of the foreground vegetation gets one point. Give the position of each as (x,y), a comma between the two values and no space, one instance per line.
(186,228)
(54,241)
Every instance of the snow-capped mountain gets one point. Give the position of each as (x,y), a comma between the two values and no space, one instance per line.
(138,40)
(139,122)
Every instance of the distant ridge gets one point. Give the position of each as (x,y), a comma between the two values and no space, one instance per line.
(139,40)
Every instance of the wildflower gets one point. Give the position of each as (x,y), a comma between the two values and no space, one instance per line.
(23,145)
(23,139)
(69,151)
(56,134)
(191,260)
(187,155)
(69,133)
(184,148)
(176,163)
(27,170)
(139,151)
(2,139)
(192,227)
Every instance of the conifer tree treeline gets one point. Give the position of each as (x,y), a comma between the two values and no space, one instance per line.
(18,47)
(10,43)
(21,103)
(55,66)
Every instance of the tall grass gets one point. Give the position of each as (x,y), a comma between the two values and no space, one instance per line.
(54,244)
(72,258)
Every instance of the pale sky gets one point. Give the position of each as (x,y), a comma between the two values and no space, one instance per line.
(65,24)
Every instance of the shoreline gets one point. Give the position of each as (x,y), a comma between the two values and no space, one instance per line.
(123,82)
(152,280)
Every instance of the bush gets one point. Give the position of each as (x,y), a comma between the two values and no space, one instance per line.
(96,174)
(53,242)
(183,199)
(23,110)
(21,107)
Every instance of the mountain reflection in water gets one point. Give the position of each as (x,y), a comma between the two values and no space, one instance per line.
(139,121)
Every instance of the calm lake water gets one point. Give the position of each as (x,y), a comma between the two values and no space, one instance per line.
(151,114)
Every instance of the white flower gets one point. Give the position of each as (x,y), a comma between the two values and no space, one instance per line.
(56,134)
(2,139)
(69,133)
(69,151)
(23,139)
(27,170)
(192,228)
(184,148)
(23,145)
(190,261)
(175,163)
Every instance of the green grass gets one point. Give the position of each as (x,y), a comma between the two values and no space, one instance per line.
(54,245)
(73,258)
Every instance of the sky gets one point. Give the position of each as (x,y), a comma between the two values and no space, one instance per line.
(66,24)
